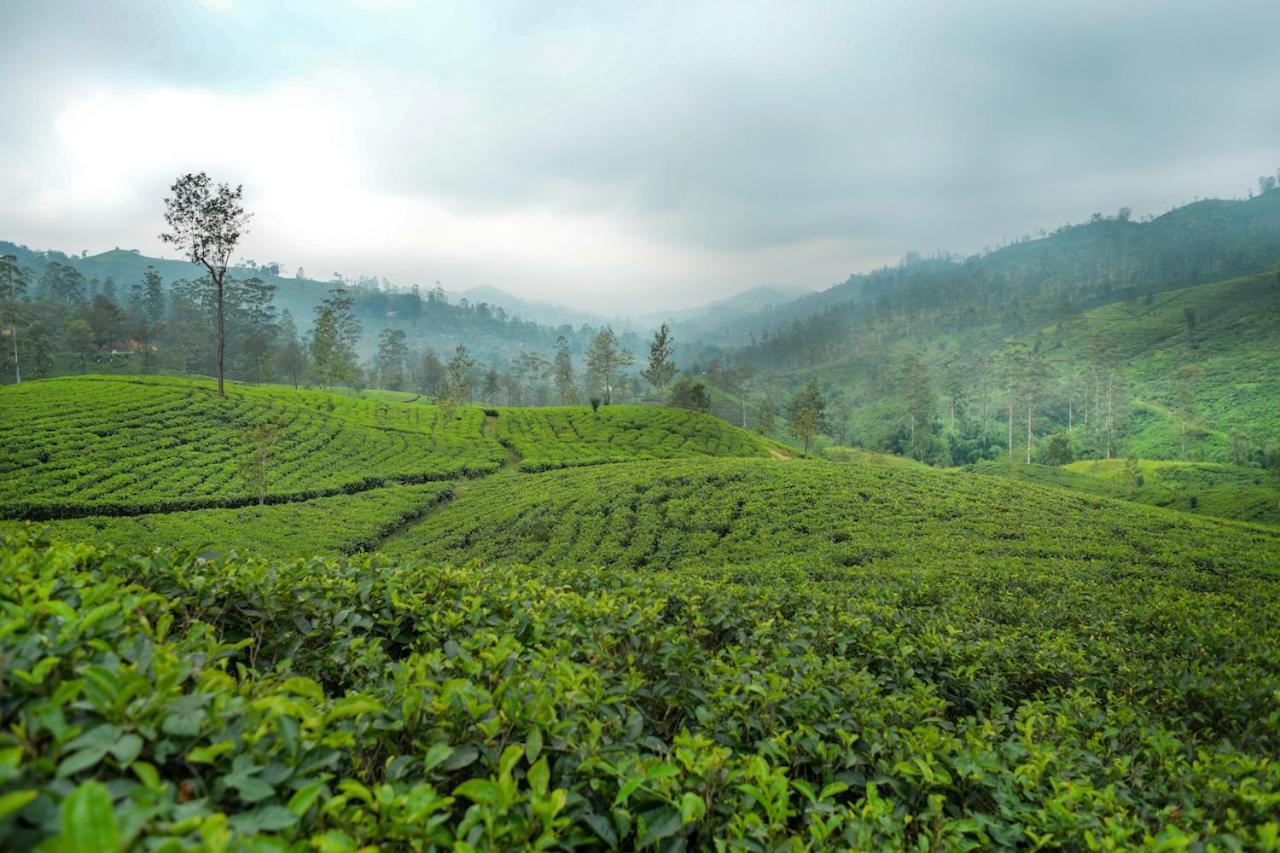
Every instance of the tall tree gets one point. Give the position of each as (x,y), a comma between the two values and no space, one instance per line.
(661,368)
(604,359)
(393,352)
(921,404)
(77,337)
(764,417)
(13,288)
(460,375)
(251,311)
(1013,360)
(292,358)
(566,390)
(205,223)
(334,337)
(1185,378)
(429,374)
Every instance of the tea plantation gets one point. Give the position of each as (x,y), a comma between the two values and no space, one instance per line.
(108,446)
(1203,488)
(636,629)
(342,524)
(561,437)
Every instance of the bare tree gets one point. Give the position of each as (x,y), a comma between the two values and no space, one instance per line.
(205,223)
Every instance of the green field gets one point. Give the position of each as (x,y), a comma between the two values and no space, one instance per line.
(1203,488)
(562,437)
(642,628)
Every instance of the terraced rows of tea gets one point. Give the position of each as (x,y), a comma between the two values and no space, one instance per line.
(877,516)
(341,524)
(561,437)
(120,447)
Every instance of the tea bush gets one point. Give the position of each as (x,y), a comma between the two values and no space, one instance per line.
(547,438)
(335,525)
(172,702)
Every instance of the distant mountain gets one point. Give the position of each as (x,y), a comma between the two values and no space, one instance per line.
(1092,263)
(546,313)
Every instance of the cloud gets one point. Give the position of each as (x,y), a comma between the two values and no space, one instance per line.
(621,155)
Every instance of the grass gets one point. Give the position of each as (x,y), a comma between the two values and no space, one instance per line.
(1063,672)
(547,438)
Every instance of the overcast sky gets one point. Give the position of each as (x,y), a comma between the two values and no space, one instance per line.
(626,156)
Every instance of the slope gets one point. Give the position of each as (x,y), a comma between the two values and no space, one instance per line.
(804,655)
(1203,488)
(745,512)
(115,446)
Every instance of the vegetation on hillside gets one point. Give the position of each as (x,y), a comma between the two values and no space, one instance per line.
(114,446)
(1121,691)
(342,524)
(1204,488)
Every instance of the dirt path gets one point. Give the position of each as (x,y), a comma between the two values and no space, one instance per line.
(776,453)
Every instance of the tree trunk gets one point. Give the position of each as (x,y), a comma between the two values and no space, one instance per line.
(222,338)
(1010,427)
(17,370)
(1028,433)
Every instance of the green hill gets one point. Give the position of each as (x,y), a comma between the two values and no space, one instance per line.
(628,629)
(116,446)
(1235,342)
(1204,488)
(1235,346)
(161,461)
(742,512)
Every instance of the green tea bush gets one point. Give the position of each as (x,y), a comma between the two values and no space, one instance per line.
(172,702)
(334,525)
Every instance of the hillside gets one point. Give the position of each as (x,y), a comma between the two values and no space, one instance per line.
(1032,278)
(1235,346)
(1235,342)
(742,512)
(141,462)
(1202,488)
(115,446)
(780,653)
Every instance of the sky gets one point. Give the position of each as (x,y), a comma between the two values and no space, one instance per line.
(626,156)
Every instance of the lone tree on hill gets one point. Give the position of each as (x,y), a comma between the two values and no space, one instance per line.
(661,368)
(205,223)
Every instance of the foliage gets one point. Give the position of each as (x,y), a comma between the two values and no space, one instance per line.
(691,395)
(953,703)
(807,413)
(661,368)
(1224,491)
(343,524)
